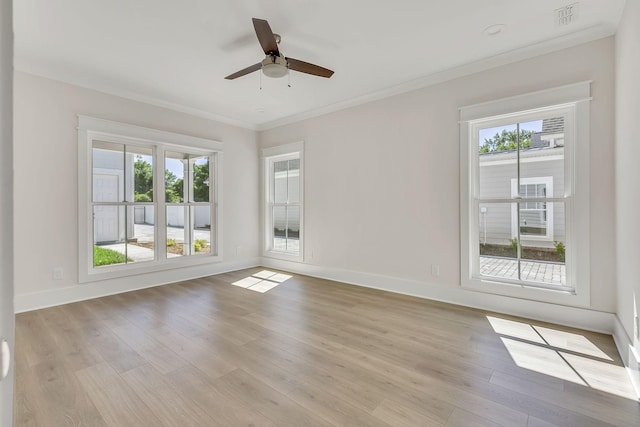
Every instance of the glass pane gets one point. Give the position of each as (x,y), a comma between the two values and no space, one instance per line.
(533,219)
(497,157)
(202,229)
(176,231)
(543,155)
(141,160)
(543,255)
(293,229)
(109,242)
(496,232)
(140,233)
(108,171)
(174,166)
(200,178)
(293,184)
(280,181)
(279,228)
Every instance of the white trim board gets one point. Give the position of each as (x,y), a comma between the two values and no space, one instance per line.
(592,320)
(585,35)
(548,46)
(85,291)
(576,317)
(628,353)
(597,321)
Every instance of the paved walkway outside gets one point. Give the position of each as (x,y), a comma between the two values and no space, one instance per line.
(144,233)
(507,268)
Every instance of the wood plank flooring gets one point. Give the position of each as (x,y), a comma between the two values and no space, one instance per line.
(308,352)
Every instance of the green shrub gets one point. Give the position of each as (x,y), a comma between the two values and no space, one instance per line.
(560,250)
(199,245)
(142,197)
(171,243)
(514,244)
(104,256)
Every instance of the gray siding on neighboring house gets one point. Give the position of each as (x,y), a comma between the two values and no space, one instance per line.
(497,170)
(287,184)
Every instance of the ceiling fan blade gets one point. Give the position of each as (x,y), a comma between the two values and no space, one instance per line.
(250,69)
(305,67)
(265,36)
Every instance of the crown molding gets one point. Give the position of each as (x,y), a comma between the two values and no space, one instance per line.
(515,55)
(543,47)
(196,112)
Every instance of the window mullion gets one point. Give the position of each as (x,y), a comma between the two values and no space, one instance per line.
(519,196)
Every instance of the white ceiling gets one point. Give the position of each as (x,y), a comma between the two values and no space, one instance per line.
(176,53)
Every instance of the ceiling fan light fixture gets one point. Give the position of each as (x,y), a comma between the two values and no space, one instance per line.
(275,67)
(275,70)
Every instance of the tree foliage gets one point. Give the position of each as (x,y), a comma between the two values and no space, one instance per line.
(143,180)
(506,141)
(174,186)
(201,182)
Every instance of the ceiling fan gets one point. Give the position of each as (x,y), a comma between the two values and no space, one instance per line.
(275,64)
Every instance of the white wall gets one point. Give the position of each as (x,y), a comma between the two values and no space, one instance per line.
(628,174)
(45,202)
(382,179)
(6,203)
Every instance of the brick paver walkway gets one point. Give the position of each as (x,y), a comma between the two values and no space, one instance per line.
(542,272)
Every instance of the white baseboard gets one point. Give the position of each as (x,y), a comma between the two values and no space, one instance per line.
(628,353)
(569,316)
(84,291)
(576,317)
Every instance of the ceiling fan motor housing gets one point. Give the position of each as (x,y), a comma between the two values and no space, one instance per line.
(274,66)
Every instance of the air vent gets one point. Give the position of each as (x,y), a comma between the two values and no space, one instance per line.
(567,15)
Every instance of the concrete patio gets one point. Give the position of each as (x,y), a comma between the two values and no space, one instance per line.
(507,268)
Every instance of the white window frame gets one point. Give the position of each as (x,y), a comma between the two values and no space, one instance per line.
(548,182)
(90,129)
(269,157)
(572,101)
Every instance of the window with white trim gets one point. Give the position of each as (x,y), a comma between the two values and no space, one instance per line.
(521,160)
(283,196)
(126,226)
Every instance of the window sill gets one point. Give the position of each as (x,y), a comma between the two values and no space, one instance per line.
(117,271)
(523,291)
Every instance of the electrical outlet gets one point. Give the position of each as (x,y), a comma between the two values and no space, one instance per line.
(435,270)
(58,273)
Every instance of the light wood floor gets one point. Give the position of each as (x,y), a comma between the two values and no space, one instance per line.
(308,352)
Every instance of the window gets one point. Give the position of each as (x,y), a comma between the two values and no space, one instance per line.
(536,218)
(187,196)
(522,160)
(283,190)
(125,225)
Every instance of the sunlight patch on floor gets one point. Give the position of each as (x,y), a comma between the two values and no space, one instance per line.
(262,281)
(564,355)
(541,359)
(572,342)
(515,329)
